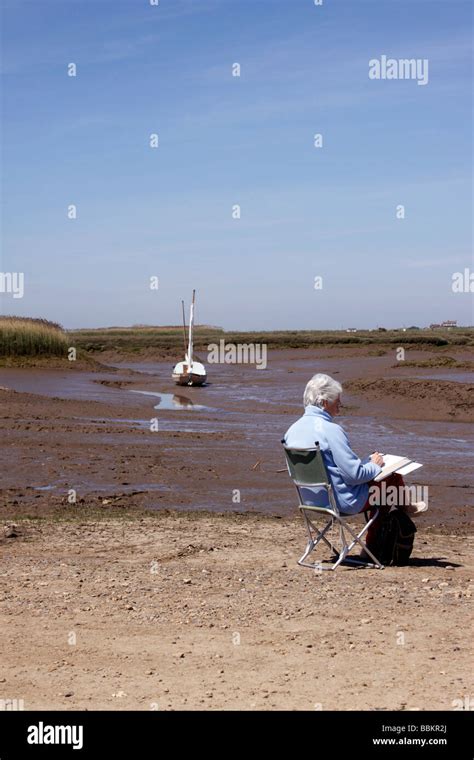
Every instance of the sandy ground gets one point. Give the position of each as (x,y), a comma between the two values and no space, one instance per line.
(212,612)
(104,605)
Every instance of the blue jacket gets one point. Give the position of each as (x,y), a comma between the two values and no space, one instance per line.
(348,474)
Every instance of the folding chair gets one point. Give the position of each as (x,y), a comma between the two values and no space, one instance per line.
(307,470)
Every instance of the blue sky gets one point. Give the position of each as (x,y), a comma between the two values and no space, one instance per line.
(247,140)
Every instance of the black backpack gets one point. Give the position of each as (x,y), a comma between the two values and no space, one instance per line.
(395,537)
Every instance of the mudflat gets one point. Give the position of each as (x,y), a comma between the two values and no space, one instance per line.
(127,437)
(171,579)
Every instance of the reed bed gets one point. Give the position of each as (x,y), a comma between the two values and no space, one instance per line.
(25,336)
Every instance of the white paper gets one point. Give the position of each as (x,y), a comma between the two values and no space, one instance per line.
(406,465)
(409,468)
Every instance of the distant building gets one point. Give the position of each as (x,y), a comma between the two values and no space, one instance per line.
(446,323)
(351,329)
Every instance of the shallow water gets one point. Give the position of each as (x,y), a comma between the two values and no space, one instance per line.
(83,386)
(171,401)
(118,488)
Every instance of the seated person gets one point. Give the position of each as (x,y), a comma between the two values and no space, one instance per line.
(350,476)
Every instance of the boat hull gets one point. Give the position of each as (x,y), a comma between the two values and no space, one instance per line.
(182,374)
(189,379)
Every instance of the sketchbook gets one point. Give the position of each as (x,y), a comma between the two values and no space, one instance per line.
(401,465)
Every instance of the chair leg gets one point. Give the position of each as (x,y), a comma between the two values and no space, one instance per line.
(357,540)
(315,536)
(319,535)
(314,530)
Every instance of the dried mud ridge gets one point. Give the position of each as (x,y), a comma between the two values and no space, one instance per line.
(442,397)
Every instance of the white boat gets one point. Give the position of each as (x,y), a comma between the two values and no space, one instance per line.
(189,371)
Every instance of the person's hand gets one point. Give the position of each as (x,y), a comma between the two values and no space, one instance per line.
(377,458)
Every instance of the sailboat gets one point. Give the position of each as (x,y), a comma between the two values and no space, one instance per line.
(189,372)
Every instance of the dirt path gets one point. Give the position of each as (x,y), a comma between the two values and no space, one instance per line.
(171,612)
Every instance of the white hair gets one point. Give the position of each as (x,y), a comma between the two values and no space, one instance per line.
(321,388)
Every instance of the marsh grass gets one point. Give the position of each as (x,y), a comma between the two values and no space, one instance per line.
(25,336)
(169,340)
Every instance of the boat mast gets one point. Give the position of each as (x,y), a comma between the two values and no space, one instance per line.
(190,344)
(184,329)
